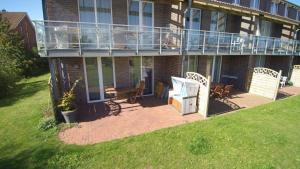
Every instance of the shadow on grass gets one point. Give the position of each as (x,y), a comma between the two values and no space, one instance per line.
(28,158)
(22,91)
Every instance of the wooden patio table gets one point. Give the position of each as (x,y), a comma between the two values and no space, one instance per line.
(117,92)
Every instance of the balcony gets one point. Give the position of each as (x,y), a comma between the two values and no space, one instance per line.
(65,39)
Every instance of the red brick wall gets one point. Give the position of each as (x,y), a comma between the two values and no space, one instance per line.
(27,31)
(61,10)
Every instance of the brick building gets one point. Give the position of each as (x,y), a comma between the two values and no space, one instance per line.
(21,22)
(116,43)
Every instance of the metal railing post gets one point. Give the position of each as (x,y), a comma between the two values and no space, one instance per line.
(188,40)
(274,42)
(79,38)
(218,43)
(230,47)
(266,45)
(181,43)
(110,27)
(160,41)
(203,46)
(252,50)
(257,47)
(137,39)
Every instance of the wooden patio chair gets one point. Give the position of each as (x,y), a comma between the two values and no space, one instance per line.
(137,93)
(227,91)
(217,91)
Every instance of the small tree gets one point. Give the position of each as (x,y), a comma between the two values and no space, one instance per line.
(11,51)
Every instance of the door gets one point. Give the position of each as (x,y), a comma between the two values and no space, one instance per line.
(216,70)
(148,74)
(194,23)
(99,78)
(140,15)
(147,34)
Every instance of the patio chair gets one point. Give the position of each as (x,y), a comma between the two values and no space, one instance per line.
(217,91)
(227,91)
(283,81)
(137,93)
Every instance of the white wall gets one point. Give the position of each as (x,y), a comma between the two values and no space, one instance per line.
(203,96)
(295,78)
(265,82)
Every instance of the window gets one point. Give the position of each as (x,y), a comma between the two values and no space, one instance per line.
(237,2)
(87,10)
(265,28)
(218,21)
(190,64)
(93,83)
(95,11)
(133,12)
(104,11)
(254,4)
(274,8)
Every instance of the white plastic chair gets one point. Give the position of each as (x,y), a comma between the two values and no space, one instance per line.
(283,81)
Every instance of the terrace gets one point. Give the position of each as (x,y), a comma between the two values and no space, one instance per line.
(76,39)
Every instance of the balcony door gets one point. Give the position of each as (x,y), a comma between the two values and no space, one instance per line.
(141,15)
(216,69)
(99,78)
(95,15)
(193,22)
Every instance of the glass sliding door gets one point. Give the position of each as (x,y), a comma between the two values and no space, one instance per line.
(134,70)
(147,25)
(93,15)
(104,17)
(107,67)
(147,74)
(92,79)
(190,64)
(133,21)
(88,29)
(140,16)
(216,70)
(195,25)
(260,61)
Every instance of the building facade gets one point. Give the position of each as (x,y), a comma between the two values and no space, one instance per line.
(117,43)
(20,22)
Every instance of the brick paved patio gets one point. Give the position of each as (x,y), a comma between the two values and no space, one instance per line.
(113,120)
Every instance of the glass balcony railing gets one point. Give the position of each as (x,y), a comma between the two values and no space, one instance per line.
(56,35)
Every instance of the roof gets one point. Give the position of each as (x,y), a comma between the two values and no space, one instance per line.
(14,18)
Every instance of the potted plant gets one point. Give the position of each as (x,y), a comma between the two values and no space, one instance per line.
(68,105)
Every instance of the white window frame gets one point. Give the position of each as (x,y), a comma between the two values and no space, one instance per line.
(100,76)
(256,4)
(213,69)
(95,11)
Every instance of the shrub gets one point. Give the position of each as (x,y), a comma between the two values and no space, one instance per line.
(290,83)
(47,123)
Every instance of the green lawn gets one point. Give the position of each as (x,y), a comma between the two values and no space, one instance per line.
(264,137)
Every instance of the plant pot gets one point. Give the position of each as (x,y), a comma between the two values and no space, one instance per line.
(70,116)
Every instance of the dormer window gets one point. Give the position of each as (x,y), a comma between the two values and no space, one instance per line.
(274,8)
(254,4)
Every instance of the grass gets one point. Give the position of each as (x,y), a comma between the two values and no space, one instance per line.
(263,137)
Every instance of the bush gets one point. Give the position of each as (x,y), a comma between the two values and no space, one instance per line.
(47,123)
(290,83)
